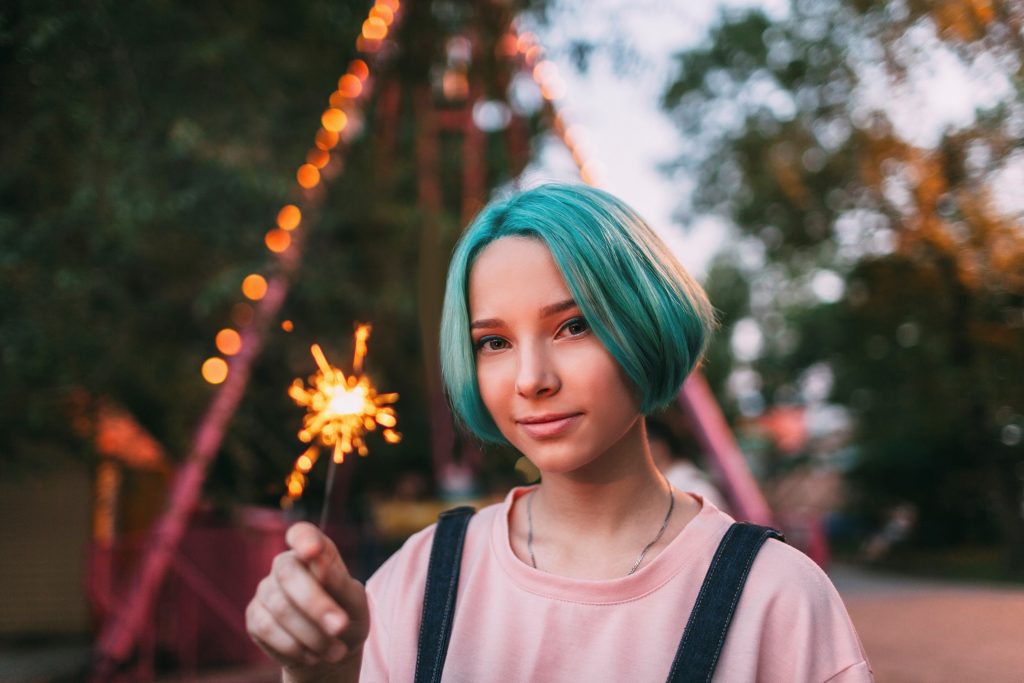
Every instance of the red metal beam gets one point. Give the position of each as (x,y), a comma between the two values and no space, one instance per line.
(716,439)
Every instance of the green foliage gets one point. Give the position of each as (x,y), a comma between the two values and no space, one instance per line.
(924,339)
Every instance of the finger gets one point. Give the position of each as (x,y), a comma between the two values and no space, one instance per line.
(291,616)
(320,554)
(302,603)
(277,642)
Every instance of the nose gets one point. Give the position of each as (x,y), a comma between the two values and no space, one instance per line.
(536,374)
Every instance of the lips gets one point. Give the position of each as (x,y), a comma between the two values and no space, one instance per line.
(548,426)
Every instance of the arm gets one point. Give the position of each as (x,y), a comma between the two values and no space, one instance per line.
(308,613)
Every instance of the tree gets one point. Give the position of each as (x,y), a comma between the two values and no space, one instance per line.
(871,250)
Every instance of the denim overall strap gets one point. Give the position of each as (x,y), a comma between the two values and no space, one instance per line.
(712,613)
(439,597)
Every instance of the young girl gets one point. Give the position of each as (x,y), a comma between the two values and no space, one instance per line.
(566,320)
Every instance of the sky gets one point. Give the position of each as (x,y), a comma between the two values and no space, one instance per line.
(628,135)
(629,138)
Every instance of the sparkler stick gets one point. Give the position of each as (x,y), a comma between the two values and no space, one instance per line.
(339,412)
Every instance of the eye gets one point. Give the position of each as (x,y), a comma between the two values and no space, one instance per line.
(574,327)
(490,343)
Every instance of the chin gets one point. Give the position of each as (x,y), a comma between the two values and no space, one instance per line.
(558,458)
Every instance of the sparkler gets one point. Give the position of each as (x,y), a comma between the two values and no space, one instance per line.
(339,412)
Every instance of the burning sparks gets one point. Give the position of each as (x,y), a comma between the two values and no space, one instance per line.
(340,410)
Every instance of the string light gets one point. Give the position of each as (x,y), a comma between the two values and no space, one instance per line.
(326,139)
(318,157)
(548,78)
(350,85)
(334,120)
(289,217)
(228,341)
(308,176)
(383,12)
(215,370)
(374,28)
(338,118)
(277,240)
(254,287)
(359,69)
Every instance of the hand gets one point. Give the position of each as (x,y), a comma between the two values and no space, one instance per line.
(308,613)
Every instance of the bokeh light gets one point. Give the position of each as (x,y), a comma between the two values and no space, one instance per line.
(349,85)
(318,157)
(228,341)
(308,176)
(374,28)
(215,370)
(289,217)
(326,139)
(334,120)
(383,12)
(254,287)
(359,69)
(277,240)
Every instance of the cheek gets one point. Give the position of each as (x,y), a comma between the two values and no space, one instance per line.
(616,387)
(491,381)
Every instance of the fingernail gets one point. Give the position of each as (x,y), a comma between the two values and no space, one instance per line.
(333,622)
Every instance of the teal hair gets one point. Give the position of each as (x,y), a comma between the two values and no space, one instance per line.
(653,318)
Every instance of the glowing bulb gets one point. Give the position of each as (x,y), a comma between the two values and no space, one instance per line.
(382,12)
(308,176)
(215,370)
(334,120)
(254,287)
(228,341)
(287,325)
(374,28)
(318,157)
(359,69)
(326,139)
(349,85)
(289,217)
(277,241)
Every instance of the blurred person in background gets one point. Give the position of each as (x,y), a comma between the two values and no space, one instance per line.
(679,470)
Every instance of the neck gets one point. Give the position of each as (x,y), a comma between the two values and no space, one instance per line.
(622,493)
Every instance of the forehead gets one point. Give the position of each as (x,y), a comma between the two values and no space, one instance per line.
(515,269)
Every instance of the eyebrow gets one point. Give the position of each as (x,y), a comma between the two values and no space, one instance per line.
(550,309)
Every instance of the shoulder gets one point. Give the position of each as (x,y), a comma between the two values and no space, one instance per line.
(408,566)
(791,609)
(781,567)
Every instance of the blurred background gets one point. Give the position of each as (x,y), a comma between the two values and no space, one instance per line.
(191,196)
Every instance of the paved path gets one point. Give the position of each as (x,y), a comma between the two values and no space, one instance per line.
(922,631)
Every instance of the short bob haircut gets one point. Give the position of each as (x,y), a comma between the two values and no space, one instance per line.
(643,306)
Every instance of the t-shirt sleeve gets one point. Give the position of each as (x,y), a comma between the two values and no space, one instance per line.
(792,623)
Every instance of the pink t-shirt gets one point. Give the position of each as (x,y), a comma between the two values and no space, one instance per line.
(515,623)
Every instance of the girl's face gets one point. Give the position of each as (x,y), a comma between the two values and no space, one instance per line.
(551,387)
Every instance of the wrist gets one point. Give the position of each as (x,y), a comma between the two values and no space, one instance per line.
(345,671)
